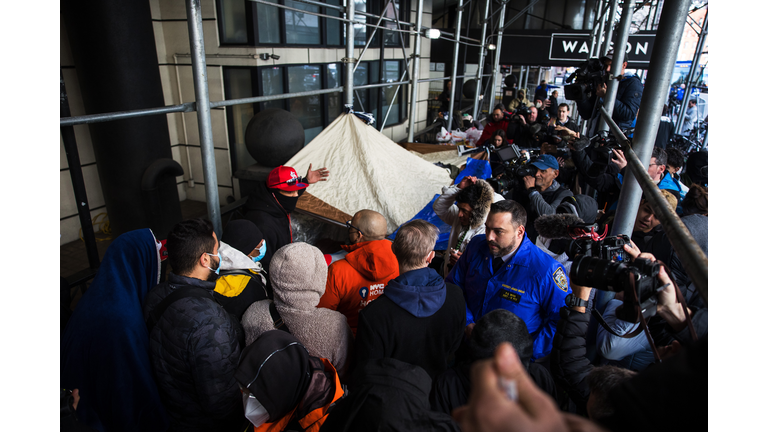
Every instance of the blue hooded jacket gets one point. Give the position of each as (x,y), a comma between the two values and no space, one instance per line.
(105,346)
(421,292)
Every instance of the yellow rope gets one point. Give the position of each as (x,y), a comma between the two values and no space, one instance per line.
(102,223)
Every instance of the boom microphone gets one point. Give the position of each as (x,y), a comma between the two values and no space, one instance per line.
(580,144)
(556,226)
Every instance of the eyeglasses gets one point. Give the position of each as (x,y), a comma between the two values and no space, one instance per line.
(289,182)
(349,225)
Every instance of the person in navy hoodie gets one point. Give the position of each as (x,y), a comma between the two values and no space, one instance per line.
(419,319)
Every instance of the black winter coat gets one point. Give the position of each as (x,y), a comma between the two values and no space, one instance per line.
(387,395)
(387,330)
(194,354)
(568,361)
(274,222)
(625,107)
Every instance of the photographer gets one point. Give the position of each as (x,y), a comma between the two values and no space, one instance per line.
(521,130)
(569,364)
(628,97)
(542,192)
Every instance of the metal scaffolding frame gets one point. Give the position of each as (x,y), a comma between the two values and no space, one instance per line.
(202,105)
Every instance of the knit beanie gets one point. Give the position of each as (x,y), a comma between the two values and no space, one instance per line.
(298,273)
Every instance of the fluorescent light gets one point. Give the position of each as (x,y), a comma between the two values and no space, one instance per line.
(491,47)
(432,33)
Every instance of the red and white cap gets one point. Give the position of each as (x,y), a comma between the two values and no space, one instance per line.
(285,178)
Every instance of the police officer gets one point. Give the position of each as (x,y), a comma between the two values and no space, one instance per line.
(503,269)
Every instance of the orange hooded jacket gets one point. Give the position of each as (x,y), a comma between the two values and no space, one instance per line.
(359,278)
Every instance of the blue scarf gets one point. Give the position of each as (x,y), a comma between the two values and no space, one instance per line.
(105,346)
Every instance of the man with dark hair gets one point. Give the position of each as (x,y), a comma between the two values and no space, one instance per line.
(497,121)
(601,380)
(420,317)
(503,269)
(464,206)
(451,389)
(193,342)
(564,122)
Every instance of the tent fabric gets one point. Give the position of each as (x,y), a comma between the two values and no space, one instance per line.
(369,171)
(445,157)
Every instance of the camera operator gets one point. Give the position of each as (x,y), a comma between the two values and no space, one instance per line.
(542,192)
(520,129)
(628,97)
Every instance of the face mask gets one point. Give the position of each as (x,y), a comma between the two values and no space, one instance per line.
(288,203)
(254,410)
(262,252)
(218,254)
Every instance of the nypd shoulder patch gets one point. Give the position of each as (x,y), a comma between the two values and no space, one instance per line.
(560,280)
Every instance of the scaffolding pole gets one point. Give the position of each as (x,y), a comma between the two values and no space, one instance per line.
(373,34)
(595,34)
(78,182)
(660,71)
(601,33)
(609,30)
(415,73)
(203,105)
(497,58)
(691,74)
(480,62)
(349,59)
(455,62)
(618,61)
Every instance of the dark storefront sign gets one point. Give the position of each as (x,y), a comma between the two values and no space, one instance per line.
(547,48)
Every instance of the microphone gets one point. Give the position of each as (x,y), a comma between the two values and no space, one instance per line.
(556,226)
(580,143)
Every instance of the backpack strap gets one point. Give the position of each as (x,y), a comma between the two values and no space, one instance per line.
(177,294)
(277,320)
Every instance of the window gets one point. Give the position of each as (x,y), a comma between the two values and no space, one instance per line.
(314,112)
(243,22)
(393,11)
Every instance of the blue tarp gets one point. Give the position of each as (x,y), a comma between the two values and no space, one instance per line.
(429,215)
(477,168)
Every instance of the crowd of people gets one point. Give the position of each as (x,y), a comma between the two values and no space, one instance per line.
(254,330)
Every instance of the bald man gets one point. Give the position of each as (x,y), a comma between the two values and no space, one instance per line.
(360,277)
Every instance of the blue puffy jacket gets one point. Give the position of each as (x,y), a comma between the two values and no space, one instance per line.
(532,285)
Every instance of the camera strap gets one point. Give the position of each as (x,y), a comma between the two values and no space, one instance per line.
(605,325)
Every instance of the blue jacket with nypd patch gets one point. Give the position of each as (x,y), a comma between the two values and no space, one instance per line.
(532,285)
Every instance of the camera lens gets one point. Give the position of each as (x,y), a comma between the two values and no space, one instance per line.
(597,273)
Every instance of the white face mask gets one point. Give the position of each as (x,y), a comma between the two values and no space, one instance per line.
(254,410)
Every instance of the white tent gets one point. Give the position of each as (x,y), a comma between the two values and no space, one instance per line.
(367,171)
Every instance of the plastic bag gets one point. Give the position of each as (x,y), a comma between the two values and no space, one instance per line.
(473,134)
(458,137)
(443,135)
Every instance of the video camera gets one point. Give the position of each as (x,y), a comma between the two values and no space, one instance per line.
(638,277)
(588,77)
(586,240)
(510,168)
(546,134)
(521,111)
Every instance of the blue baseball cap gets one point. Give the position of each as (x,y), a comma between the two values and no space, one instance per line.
(546,161)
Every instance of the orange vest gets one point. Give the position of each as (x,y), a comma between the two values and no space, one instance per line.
(312,421)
